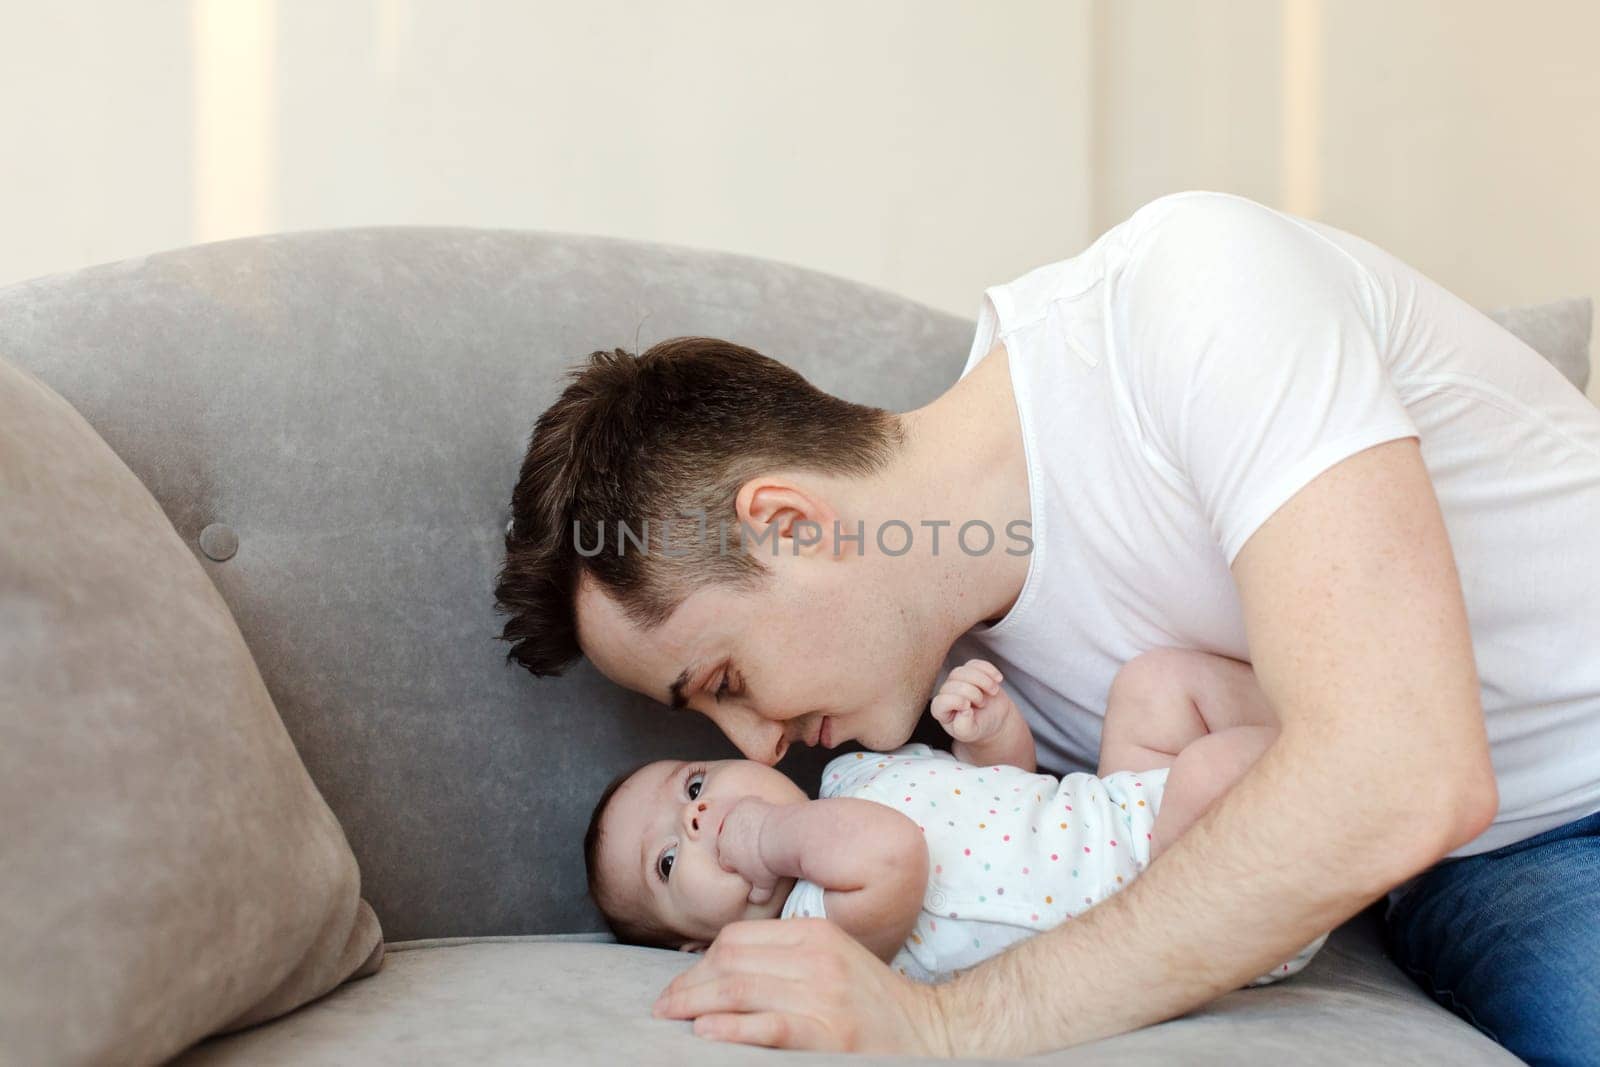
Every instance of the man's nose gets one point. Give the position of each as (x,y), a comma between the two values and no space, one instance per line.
(765,746)
(759,739)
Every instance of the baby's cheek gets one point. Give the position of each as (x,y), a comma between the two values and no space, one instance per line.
(718,897)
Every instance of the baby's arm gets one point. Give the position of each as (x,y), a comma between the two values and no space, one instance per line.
(987,725)
(1203,771)
(870,860)
(1166,699)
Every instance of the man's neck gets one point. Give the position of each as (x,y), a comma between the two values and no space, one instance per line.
(962,459)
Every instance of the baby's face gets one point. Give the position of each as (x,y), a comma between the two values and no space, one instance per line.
(658,845)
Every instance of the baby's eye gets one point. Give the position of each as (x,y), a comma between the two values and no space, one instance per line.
(664,863)
(694,785)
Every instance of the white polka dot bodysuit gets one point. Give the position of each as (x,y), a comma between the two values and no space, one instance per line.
(1009,853)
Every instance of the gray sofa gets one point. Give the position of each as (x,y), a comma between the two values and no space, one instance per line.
(333,422)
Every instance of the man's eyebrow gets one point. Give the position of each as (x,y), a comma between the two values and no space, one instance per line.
(679,701)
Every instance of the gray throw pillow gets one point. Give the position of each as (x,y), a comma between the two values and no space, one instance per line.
(167,868)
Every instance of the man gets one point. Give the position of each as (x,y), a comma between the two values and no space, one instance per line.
(1219,427)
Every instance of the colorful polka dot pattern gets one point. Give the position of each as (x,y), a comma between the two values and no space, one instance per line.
(996,841)
(997,873)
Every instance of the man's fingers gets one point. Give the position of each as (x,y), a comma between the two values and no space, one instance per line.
(750,935)
(767,1028)
(799,983)
(734,991)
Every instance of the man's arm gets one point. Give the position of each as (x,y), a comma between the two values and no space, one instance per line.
(1359,637)
(1358,633)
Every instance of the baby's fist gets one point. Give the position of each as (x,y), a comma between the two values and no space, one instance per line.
(970,705)
(739,847)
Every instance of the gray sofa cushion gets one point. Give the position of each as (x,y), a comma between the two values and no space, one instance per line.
(353,406)
(521,1001)
(167,868)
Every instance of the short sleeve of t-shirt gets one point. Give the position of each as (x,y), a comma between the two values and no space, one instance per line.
(1253,349)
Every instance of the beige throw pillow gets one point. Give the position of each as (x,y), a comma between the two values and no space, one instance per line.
(167,868)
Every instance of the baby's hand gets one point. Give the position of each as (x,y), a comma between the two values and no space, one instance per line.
(970,705)
(739,847)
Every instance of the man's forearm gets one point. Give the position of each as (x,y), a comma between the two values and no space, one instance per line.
(1263,873)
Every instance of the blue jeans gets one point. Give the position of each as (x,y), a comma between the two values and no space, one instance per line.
(1510,941)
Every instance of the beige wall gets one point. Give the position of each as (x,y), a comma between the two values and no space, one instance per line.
(927,146)
(1462,135)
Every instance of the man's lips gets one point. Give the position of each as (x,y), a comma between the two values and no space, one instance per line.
(823,734)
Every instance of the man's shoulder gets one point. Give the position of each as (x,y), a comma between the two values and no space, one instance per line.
(1202,271)
(1194,205)
(1199,225)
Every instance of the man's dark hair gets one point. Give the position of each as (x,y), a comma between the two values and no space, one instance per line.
(628,931)
(651,439)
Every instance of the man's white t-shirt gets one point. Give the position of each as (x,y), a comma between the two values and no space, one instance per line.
(1203,361)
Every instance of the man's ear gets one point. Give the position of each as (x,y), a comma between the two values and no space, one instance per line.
(779,515)
(693,946)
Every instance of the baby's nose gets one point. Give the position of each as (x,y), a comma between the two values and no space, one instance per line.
(694,818)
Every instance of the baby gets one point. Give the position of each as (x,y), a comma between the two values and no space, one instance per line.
(934,861)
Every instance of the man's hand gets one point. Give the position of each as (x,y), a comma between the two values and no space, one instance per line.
(803,983)
(970,705)
(739,847)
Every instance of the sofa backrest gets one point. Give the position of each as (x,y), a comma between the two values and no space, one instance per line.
(352,407)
